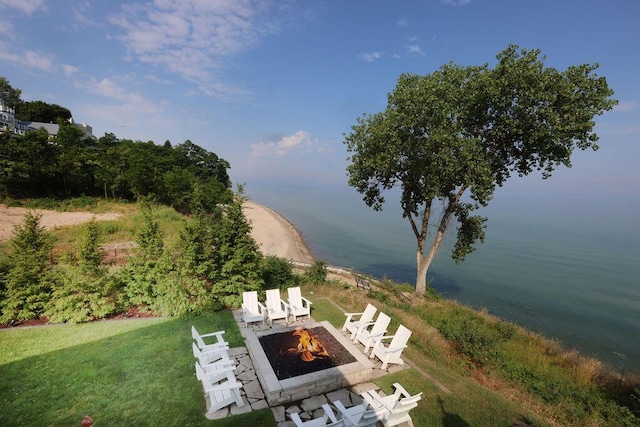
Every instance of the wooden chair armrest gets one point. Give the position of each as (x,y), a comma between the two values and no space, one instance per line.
(394,349)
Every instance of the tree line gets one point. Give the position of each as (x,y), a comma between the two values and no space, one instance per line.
(71,164)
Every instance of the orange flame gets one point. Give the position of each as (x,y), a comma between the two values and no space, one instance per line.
(309,347)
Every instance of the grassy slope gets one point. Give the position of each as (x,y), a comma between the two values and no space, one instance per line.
(140,372)
(42,372)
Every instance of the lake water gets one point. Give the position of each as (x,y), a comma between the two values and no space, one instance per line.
(567,268)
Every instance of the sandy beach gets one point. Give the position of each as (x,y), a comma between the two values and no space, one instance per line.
(275,235)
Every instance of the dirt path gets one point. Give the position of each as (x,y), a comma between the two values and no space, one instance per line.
(10,217)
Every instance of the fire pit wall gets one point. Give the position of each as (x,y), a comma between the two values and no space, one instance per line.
(358,368)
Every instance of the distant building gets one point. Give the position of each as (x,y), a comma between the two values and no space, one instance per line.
(8,122)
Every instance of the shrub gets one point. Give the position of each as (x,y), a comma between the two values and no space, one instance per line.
(317,273)
(278,273)
(81,294)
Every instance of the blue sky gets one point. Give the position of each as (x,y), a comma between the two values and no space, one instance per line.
(271,86)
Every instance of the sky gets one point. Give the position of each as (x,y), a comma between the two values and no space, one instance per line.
(272,86)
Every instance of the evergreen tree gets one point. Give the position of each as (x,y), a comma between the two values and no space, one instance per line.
(147,265)
(83,291)
(238,257)
(27,280)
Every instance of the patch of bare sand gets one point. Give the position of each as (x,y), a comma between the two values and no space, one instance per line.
(12,216)
(275,235)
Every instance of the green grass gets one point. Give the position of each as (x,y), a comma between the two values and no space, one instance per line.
(468,404)
(127,372)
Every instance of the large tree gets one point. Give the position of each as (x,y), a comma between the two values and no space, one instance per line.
(448,138)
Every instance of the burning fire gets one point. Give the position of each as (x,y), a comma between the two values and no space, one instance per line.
(309,348)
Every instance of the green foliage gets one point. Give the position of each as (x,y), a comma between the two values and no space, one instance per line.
(147,266)
(317,273)
(475,337)
(462,131)
(9,95)
(40,111)
(36,164)
(180,295)
(238,258)
(27,279)
(81,294)
(278,273)
(89,252)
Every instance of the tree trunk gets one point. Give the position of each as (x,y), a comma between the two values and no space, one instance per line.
(424,262)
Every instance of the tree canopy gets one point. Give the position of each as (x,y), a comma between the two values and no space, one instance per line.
(448,138)
(9,95)
(40,111)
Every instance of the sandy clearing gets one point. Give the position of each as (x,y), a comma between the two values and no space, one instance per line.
(12,216)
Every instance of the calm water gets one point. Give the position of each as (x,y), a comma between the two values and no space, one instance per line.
(566,268)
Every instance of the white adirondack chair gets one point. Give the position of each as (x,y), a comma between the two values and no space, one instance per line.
(360,415)
(393,352)
(220,394)
(252,310)
(298,305)
(352,325)
(212,359)
(366,337)
(275,307)
(216,372)
(398,405)
(220,343)
(328,419)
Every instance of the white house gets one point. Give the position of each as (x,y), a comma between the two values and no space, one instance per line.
(8,122)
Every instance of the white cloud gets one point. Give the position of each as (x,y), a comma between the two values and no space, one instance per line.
(402,23)
(415,49)
(25,6)
(370,57)
(28,59)
(285,145)
(69,70)
(196,38)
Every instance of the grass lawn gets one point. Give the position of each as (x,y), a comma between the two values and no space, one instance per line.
(141,372)
(125,372)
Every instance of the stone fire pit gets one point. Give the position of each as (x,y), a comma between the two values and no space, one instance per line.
(296,363)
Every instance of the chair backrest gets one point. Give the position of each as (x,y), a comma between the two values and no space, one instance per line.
(200,372)
(196,336)
(382,322)
(400,338)
(250,301)
(273,300)
(295,296)
(196,351)
(368,313)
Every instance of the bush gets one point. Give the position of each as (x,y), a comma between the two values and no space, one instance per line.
(317,273)
(278,273)
(471,335)
(81,295)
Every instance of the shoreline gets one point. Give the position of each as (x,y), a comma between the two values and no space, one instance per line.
(275,235)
